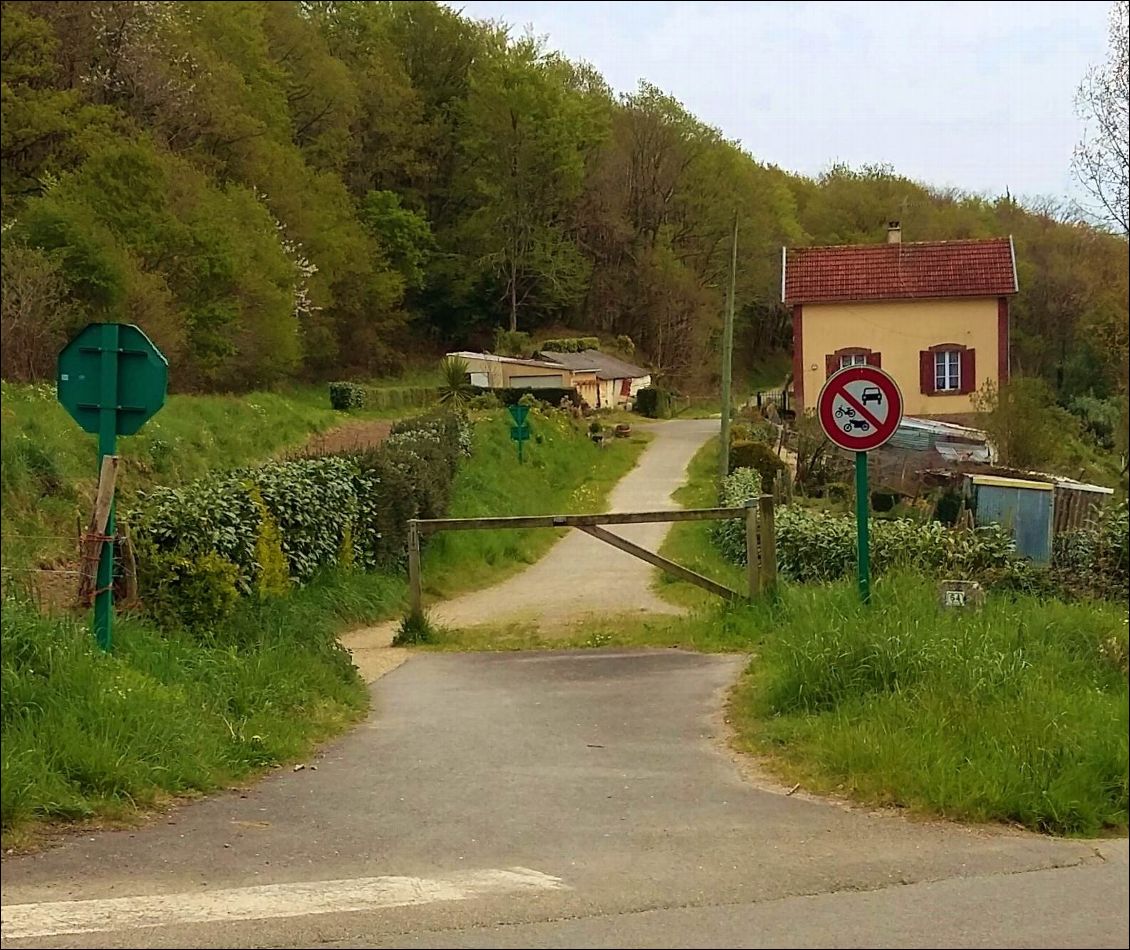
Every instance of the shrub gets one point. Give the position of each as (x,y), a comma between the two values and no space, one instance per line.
(813,546)
(485,401)
(346,396)
(456,388)
(653,402)
(737,488)
(758,456)
(576,344)
(1096,559)
(291,519)
(193,592)
(1023,421)
(511,343)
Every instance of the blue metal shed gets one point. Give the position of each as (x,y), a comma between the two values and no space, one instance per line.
(1023,508)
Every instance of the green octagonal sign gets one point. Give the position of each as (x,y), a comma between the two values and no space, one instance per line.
(116,367)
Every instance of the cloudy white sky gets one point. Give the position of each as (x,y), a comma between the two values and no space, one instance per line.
(976,95)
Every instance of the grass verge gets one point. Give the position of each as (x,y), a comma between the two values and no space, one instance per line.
(87,734)
(688,543)
(564,472)
(1016,712)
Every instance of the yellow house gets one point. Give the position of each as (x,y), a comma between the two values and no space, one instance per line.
(933,314)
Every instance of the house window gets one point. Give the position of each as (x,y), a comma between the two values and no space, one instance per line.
(851,356)
(947,371)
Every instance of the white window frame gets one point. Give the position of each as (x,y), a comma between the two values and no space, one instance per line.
(947,371)
(853,359)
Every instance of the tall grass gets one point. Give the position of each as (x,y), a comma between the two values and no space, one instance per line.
(1014,712)
(87,733)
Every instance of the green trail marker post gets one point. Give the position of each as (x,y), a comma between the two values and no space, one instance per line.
(862,527)
(111,379)
(860,408)
(520,431)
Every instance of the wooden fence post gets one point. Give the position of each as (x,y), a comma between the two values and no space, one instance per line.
(752,565)
(416,605)
(768,545)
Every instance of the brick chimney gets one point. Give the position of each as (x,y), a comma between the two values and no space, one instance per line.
(894,232)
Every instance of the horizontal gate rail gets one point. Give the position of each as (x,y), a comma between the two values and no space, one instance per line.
(761,558)
(431,525)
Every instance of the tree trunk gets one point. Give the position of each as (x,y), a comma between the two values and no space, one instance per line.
(513,298)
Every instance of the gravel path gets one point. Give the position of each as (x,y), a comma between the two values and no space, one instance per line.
(580,576)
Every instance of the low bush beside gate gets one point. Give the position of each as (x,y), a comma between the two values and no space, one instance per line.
(256,531)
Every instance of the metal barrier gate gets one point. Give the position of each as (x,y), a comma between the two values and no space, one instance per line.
(760,540)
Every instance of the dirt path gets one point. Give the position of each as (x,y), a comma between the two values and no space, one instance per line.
(358,434)
(580,576)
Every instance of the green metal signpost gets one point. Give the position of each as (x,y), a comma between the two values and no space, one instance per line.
(111,379)
(520,431)
(860,408)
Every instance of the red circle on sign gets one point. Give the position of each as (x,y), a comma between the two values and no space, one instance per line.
(860,407)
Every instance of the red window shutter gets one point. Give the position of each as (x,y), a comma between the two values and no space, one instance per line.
(968,370)
(831,364)
(926,372)
(626,388)
(875,359)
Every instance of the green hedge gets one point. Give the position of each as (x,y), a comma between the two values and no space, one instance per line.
(653,402)
(570,344)
(235,530)
(550,395)
(737,488)
(346,396)
(815,546)
(758,456)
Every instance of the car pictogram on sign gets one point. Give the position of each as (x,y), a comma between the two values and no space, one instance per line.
(872,394)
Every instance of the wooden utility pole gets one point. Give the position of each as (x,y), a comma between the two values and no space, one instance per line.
(728,358)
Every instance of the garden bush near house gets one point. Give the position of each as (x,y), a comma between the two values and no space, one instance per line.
(758,456)
(736,489)
(653,402)
(1096,559)
(347,396)
(813,546)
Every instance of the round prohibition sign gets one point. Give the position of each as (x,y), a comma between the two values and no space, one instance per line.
(860,407)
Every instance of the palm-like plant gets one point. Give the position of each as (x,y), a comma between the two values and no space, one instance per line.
(456,389)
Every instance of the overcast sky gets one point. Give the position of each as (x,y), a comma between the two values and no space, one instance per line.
(977,95)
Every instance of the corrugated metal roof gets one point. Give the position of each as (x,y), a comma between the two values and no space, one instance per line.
(606,367)
(491,358)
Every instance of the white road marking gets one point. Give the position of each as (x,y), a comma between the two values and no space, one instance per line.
(264,902)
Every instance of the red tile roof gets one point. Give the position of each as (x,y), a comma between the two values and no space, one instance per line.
(982,268)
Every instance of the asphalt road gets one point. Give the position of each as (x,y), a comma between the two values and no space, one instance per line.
(552,800)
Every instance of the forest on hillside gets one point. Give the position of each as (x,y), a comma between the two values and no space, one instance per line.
(318,189)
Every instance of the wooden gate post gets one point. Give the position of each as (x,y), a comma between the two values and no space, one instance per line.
(752,565)
(415,596)
(768,545)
